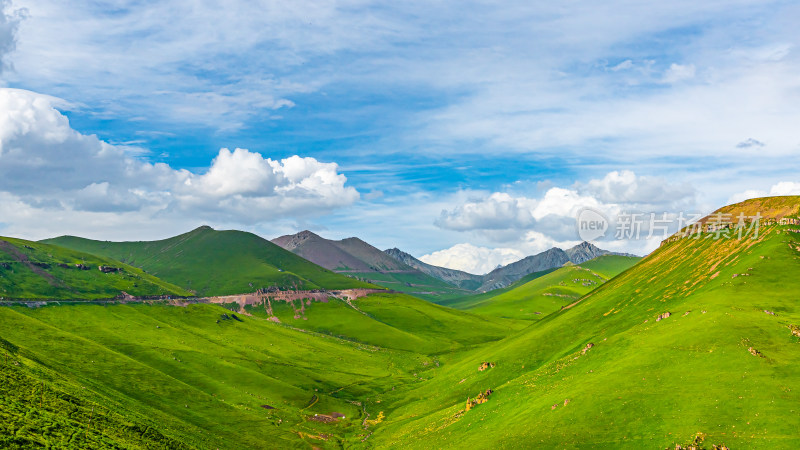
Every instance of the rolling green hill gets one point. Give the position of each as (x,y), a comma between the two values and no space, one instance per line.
(34,270)
(613,369)
(541,293)
(699,341)
(391,320)
(204,377)
(211,262)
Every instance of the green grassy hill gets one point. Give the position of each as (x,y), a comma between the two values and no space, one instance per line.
(391,320)
(609,266)
(541,293)
(205,377)
(211,262)
(699,341)
(34,270)
(721,366)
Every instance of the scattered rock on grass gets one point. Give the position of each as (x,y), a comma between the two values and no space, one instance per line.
(486,365)
(483,397)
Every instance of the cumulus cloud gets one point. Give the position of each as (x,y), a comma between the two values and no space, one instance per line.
(556,209)
(46,164)
(523,225)
(639,192)
(679,72)
(473,259)
(781,188)
(497,212)
(785,188)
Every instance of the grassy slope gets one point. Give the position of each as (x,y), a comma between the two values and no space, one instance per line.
(197,381)
(541,293)
(38,412)
(422,285)
(392,320)
(542,296)
(217,262)
(610,266)
(645,383)
(201,379)
(21,278)
(466,302)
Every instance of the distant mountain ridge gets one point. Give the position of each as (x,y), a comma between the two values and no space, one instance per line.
(356,258)
(347,255)
(455,277)
(508,274)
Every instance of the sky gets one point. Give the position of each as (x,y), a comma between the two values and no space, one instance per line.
(468,134)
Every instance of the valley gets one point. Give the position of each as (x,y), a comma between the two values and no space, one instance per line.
(695,342)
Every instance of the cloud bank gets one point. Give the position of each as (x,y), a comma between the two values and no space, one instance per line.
(781,188)
(522,225)
(472,259)
(47,168)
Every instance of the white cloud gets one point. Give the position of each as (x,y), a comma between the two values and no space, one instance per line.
(498,211)
(781,188)
(9,22)
(563,202)
(616,191)
(785,188)
(51,168)
(639,192)
(678,72)
(533,225)
(215,64)
(472,259)
(624,65)
(746,195)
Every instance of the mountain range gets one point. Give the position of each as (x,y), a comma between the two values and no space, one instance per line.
(549,259)
(357,257)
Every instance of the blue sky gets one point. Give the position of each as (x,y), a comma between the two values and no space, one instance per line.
(442,116)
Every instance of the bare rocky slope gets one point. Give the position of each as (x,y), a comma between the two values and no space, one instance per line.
(455,277)
(346,255)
